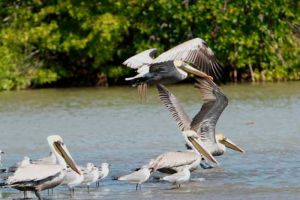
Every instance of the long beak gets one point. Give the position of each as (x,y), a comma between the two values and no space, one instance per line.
(61,149)
(193,70)
(228,143)
(199,147)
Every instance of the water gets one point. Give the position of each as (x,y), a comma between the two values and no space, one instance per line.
(112,125)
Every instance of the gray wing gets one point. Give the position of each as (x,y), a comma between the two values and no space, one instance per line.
(214,104)
(197,53)
(173,105)
(140,59)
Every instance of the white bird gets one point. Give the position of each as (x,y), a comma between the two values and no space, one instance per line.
(137,177)
(103,172)
(38,177)
(90,174)
(172,162)
(179,177)
(204,122)
(173,65)
(72,179)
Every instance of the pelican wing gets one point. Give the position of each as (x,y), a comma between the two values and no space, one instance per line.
(197,53)
(214,104)
(173,105)
(32,173)
(140,59)
(173,160)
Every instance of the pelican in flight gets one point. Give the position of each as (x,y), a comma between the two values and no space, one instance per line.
(193,56)
(38,177)
(204,122)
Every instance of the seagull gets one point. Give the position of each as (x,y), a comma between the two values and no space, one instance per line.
(204,122)
(90,174)
(72,179)
(138,177)
(103,172)
(179,177)
(38,177)
(193,56)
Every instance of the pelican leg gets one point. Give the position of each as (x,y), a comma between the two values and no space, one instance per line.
(48,192)
(140,186)
(38,195)
(25,194)
(88,187)
(179,185)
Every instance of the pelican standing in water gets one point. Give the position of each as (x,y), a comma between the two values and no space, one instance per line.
(174,65)
(38,177)
(204,122)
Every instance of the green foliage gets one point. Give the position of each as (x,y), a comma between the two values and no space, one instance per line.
(72,42)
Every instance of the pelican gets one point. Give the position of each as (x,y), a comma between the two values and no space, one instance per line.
(38,177)
(172,162)
(90,174)
(103,172)
(179,177)
(174,65)
(137,177)
(204,122)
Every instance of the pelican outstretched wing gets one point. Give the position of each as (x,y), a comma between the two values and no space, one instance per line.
(215,101)
(140,59)
(197,53)
(173,105)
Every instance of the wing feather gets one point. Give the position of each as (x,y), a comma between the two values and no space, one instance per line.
(140,59)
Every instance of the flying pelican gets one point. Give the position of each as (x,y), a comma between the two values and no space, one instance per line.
(174,65)
(103,172)
(179,177)
(38,177)
(90,174)
(204,122)
(137,177)
(172,162)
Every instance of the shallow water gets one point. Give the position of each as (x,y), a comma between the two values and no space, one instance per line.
(112,125)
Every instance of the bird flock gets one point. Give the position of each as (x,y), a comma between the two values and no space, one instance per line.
(200,137)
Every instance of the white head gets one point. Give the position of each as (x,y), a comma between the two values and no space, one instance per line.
(25,161)
(104,165)
(61,152)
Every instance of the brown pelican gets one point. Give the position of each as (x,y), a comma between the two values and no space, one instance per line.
(172,162)
(38,177)
(103,172)
(204,123)
(138,177)
(175,64)
(179,177)
(90,174)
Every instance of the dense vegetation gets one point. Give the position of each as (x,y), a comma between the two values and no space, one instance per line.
(70,43)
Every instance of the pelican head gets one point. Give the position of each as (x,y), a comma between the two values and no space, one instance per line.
(62,153)
(221,139)
(186,68)
(197,145)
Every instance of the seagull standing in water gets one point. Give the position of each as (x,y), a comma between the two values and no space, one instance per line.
(90,174)
(179,177)
(103,172)
(38,177)
(193,56)
(204,122)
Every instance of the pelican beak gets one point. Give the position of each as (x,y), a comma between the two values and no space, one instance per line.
(63,151)
(228,143)
(192,70)
(199,147)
